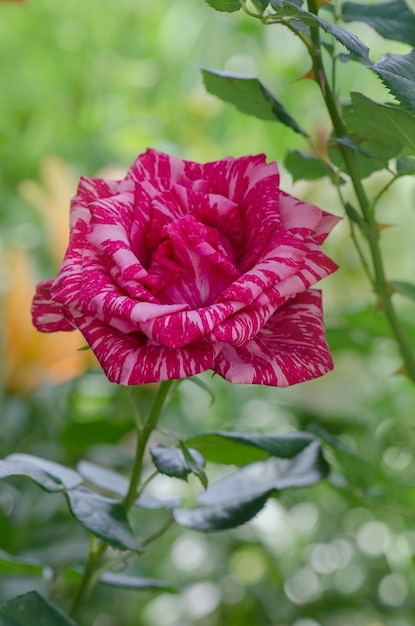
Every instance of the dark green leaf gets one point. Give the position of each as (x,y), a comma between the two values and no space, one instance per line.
(260,478)
(406,289)
(249,96)
(393,19)
(343,36)
(68,477)
(405,165)
(378,129)
(307,468)
(103,517)
(135,582)
(225,5)
(352,145)
(333,441)
(31,609)
(277,4)
(173,461)
(220,516)
(241,448)
(14,468)
(20,565)
(260,5)
(195,462)
(397,72)
(240,496)
(104,478)
(385,122)
(304,166)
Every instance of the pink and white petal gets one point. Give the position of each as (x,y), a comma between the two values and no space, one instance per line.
(290,349)
(130,360)
(89,190)
(109,234)
(283,259)
(47,315)
(191,265)
(100,298)
(243,326)
(153,164)
(301,218)
(235,178)
(183,328)
(213,210)
(327,223)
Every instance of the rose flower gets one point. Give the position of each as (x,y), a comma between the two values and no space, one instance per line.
(183,267)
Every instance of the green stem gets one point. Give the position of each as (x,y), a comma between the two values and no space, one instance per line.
(96,551)
(380,283)
(143,436)
(88,575)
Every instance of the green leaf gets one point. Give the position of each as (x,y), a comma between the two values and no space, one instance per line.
(23,566)
(404,288)
(393,19)
(104,478)
(225,5)
(277,4)
(240,496)
(334,442)
(380,129)
(103,517)
(176,462)
(31,609)
(306,469)
(16,468)
(350,41)
(249,96)
(405,166)
(304,166)
(352,145)
(387,123)
(257,479)
(260,5)
(220,516)
(241,448)
(135,582)
(195,462)
(397,72)
(68,477)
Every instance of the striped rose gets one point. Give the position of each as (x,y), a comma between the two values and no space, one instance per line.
(183,267)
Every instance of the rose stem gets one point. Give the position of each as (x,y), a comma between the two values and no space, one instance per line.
(380,283)
(142,438)
(143,433)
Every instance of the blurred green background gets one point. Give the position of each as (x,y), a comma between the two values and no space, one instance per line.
(85,88)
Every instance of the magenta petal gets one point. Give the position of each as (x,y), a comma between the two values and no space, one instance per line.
(291,348)
(47,315)
(131,360)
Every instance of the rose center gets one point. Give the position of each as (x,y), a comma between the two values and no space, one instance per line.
(192,263)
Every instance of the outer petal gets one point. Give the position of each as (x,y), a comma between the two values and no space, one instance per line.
(154,165)
(291,348)
(131,360)
(302,218)
(47,315)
